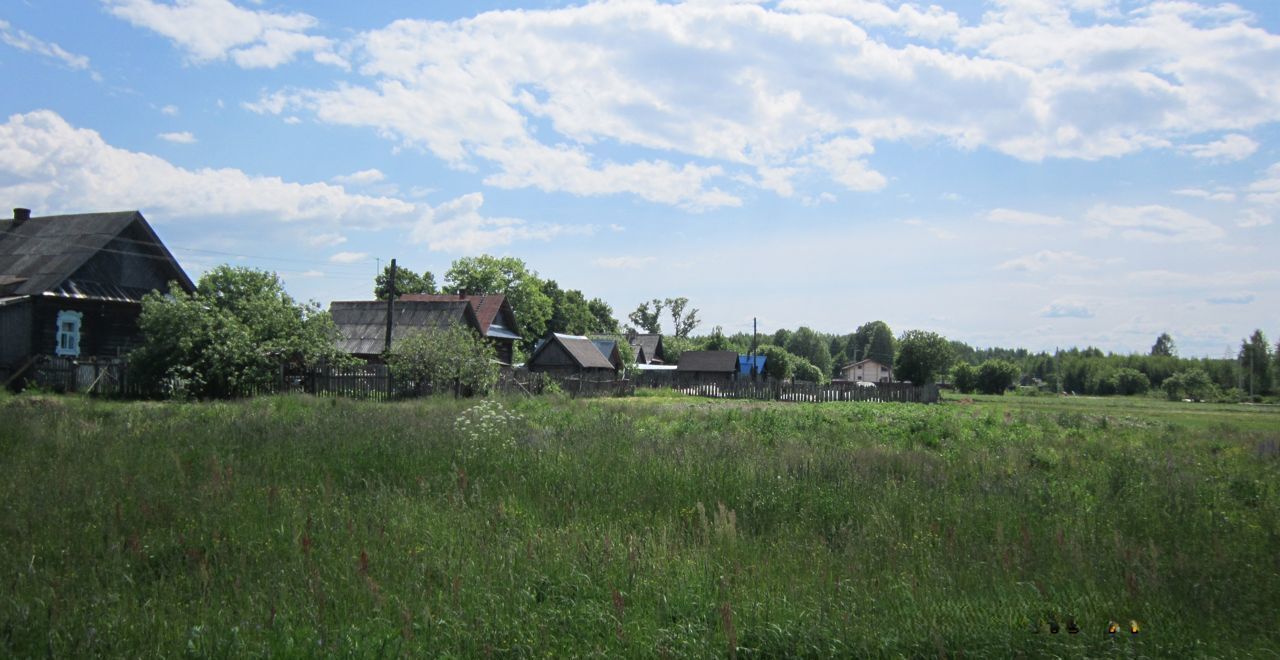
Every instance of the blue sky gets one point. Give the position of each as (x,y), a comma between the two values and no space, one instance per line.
(1035,173)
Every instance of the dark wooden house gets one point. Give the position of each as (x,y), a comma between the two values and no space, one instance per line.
(609,349)
(707,366)
(71,286)
(647,348)
(362,324)
(493,312)
(566,355)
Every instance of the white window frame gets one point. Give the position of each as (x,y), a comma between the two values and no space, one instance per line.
(67,342)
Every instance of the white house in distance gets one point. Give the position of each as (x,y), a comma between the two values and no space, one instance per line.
(867,370)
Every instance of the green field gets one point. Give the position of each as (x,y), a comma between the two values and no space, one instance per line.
(656,526)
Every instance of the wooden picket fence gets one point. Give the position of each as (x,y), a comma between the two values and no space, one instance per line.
(764,389)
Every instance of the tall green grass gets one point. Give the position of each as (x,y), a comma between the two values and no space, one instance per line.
(651,527)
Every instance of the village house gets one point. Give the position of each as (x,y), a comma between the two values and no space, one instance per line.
(362,324)
(609,349)
(71,286)
(493,312)
(867,371)
(647,348)
(570,355)
(700,366)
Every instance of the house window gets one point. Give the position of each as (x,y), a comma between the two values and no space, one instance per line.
(68,337)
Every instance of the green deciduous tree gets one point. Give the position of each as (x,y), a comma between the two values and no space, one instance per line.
(922,356)
(603,315)
(1255,359)
(1189,384)
(455,359)
(647,317)
(1164,346)
(407,282)
(1131,381)
(807,344)
(778,363)
(230,336)
(996,376)
(965,378)
(570,313)
(682,322)
(808,371)
(511,277)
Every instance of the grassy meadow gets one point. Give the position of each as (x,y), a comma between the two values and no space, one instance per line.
(656,526)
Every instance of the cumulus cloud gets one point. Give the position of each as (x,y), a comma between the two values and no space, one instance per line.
(49,164)
(776,95)
(458,226)
(1254,218)
(1047,259)
(1012,217)
(212,30)
(183,137)
(331,239)
(1230,148)
(1156,224)
(623,263)
(363,177)
(24,41)
(349,257)
(1215,196)
(1069,308)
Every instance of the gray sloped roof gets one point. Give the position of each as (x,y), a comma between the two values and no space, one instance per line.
(582,350)
(720,361)
(651,343)
(41,253)
(362,324)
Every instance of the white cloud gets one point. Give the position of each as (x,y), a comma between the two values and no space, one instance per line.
(1069,307)
(1157,224)
(932,23)
(1046,259)
(1012,217)
(349,257)
(363,177)
(1254,218)
(212,30)
(48,164)
(1216,196)
(26,42)
(169,110)
(1230,148)
(183,137)
(458,226)
(1267,189)
(326,240)
(1232,299)
(623,263)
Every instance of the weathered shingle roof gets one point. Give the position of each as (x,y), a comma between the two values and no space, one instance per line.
(720,361)
(42,253)
(650,343)
(490,309)
(582,350)
(362,324)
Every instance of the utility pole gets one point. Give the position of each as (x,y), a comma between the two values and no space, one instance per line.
(391,300)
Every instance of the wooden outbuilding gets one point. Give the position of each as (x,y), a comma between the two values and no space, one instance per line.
(493,312)
(566,355)
(71,286)
(647,348)
(700,366)
(362,324)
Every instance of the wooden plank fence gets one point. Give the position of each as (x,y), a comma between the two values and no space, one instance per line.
(375,382)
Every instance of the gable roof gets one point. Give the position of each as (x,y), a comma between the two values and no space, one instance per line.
(362,324)
(609,349)
(582,350)
(42,254)
(718,361)
(651,344)
(863,362)
(490,310)
(744,364)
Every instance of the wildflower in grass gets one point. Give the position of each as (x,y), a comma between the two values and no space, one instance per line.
(488,425)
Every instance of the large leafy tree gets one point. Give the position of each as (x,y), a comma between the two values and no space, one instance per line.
(682,322)
(1255,359)
(570,312)
(996,376)
(603,315)
(229,337)
(872,340)
(1164,346)
(511,277)
(812,347)
(647,316)
(407,281)
(455,360)
(922,356)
